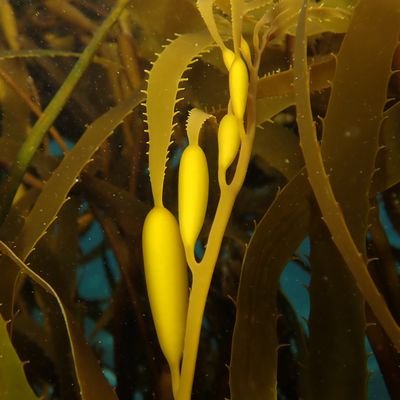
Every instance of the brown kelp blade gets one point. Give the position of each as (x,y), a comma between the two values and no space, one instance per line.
(89,375)
(13,383)
(253,370)
(324,194)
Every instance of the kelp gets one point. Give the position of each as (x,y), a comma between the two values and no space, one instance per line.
(167,18)
(275,92)
(237,10)
(385,175)
(258,264)
(56,256)
(16,116)
(281,83)
(195,121)
(350,125)
(330,209)
(9,24)
(253,368)
(279,147)
(206,10)
(247,314)
(44,213)
(31,144)
(85,364)
(66,174)
(74,221)
(13,383)
(160,116)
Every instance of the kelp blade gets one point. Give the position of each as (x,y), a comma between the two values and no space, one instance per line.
(90,378)
(253,370)
(66,174)
(13,383)
(44,213)
(351,126)
(161,100)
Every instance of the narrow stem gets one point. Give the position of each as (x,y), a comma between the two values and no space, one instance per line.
(175,377)
(197,304)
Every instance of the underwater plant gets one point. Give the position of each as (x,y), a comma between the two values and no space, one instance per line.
(168,168)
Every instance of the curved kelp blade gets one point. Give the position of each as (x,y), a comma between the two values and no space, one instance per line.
(254,345)
(323,19)
(275,92)
(320,182)
(53,109)
(65,176)
(44,213)
(253,371)
(320,18)
(13,383)
(388,162)
(279,147)
(89,375)
(163,86)
(205,8)
(281,83)
(237,11)
(254,348)
(195,122)
(352,126)
(255,4)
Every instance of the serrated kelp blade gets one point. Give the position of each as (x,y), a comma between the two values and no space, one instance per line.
(323,19)
(13,383)
(355,111)
(57,255)
(259,363)
(281,83)
(194,123)
(320,19)
(331,211)
(253,370)
(90,378)
(267,107)
(57,258)
(275,92)
(205,8)
(255,4)
(279,147)
(64,177)
(387,172)
(162,89)
(352,124)
(223,5)
(344,4)
(237,11)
